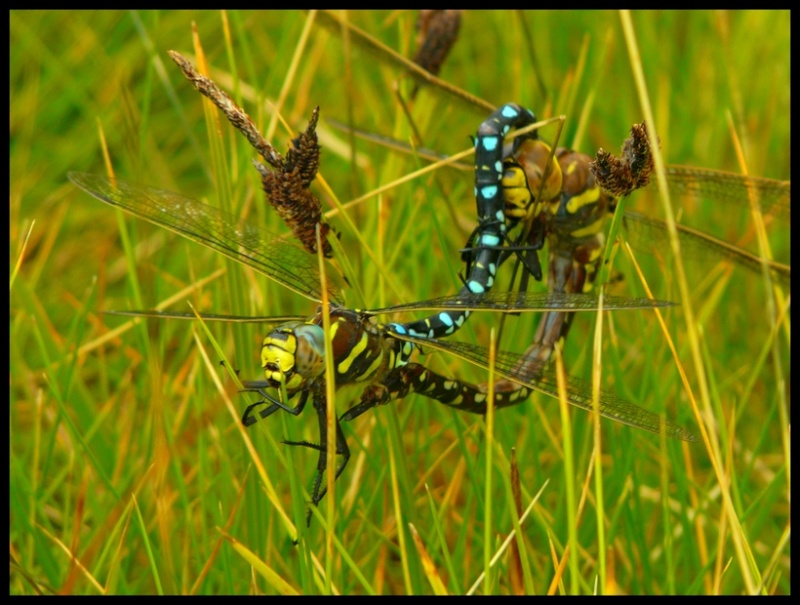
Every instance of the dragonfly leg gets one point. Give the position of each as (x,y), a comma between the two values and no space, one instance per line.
(320,487)
(525,253)
(274,405)
(392,387)
(248,419)
(530,261)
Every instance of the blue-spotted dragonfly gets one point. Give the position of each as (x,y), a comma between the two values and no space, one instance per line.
(373,355)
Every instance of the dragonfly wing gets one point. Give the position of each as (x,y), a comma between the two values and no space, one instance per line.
(542,377)
(269,254)
(513,302)
(157,314)
(644,231)
(772,196)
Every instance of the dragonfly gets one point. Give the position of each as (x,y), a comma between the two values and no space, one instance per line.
(375,357)
(540,186)
(771,197)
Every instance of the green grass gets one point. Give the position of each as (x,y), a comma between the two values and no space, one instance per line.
(129,470)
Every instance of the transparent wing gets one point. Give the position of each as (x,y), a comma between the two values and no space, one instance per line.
(773,197)
(498,302)
(644,231)
(542,377)
(269,254)
(243,319)
(513,302)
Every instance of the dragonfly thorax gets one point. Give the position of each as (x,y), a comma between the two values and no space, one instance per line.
(293,354)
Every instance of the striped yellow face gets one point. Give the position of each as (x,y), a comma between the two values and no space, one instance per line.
(292,354)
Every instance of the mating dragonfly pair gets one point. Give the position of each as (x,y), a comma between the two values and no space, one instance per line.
(512,182)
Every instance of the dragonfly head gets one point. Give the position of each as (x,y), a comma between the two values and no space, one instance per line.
(293,354)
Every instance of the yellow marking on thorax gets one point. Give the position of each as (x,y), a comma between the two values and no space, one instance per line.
(334,329)
(344,366)
(592,229)
(590,196)
(372,368)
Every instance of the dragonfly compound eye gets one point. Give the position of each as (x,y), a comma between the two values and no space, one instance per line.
(310,353)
